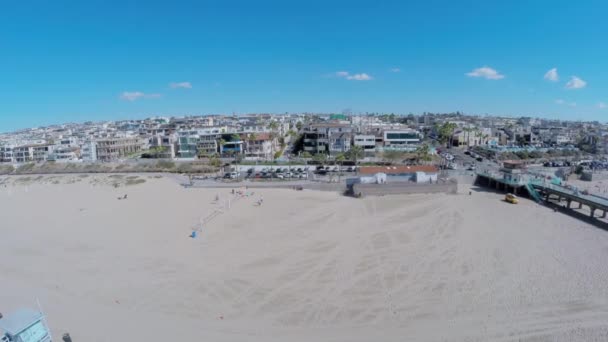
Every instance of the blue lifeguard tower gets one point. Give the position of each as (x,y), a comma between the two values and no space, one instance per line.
(24,325)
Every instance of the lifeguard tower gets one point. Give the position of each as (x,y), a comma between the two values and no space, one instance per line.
(24,325)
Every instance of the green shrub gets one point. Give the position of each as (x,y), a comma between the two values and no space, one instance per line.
(165,164)
(26,168)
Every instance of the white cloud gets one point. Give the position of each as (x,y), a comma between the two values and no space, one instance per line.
(563,102)
(136,95)
(359,77)
(575,83)
(486,72)
(185,85)
(552,75)
(601,105)
(395,70)
(355,77)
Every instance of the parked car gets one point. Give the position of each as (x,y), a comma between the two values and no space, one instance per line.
(511,199)
(232,175)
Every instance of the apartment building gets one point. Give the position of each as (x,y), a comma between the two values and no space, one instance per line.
(6,154)
(260,146)
(110,149)
(340,142)
(88,151)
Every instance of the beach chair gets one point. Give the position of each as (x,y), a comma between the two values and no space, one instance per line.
(24,325)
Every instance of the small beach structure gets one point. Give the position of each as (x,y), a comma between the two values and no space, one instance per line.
(24,325)
(412,173)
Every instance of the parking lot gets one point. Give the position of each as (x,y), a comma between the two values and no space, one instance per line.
(293,172)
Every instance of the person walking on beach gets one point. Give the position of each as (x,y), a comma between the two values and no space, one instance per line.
(261,200)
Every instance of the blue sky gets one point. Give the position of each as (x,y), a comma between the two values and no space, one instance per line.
(92,60)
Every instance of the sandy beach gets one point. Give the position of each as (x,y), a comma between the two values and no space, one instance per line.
(303,266)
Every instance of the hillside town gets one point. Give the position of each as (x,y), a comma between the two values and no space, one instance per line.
(266,137)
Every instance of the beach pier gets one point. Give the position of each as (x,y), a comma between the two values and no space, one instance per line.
(541,190)
(570,195)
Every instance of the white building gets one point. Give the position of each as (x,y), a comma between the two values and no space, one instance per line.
(397,138)
(366,142)
(260,146)
(168,145)
(64,154)
(88,152)
(6,154)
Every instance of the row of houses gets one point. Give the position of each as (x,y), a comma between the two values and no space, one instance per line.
(334,138)
(184,144)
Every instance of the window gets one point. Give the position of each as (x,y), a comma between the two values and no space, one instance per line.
(393,136)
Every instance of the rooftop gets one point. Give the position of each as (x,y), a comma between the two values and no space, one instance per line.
(19,320)
(401,169)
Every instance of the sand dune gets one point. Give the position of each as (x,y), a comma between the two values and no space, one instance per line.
(303,266)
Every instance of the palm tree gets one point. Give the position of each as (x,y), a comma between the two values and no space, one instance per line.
(467,130)
(250,139)
(422,153)
(340,158)
(222,143)
(319,157)
(478,134)
(392,155)
(356,152)
(273,126)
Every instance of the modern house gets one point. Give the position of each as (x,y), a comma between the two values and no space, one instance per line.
(366,142)
(403,139)
(199,142)
(64,153)
(231,144)
(339,142)
(317,137)
(167,146)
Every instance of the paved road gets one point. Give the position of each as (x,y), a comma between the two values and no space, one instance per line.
(463,160)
